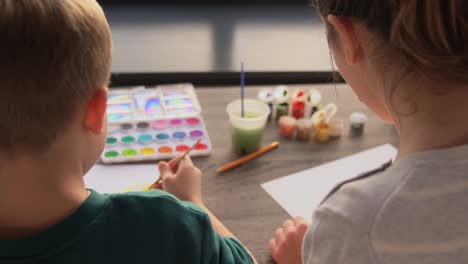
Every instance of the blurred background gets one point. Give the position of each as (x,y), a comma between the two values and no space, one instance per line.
(161,41)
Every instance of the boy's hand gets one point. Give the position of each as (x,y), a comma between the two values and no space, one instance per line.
(185,183)
(286,247)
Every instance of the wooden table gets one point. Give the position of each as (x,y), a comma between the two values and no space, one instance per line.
(236,196)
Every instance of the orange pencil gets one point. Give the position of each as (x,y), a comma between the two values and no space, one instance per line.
(249,157)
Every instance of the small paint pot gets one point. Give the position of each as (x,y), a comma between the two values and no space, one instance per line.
(287,126)
(336,127)
(192,121)
(126,128)
(176,123)
(314,98)
(111,141)
(165,150)
(266,96)
(298,103)
(305,127)
(282,109)
(163,137)
(196,134)
(128,140)
(129,153)
(315,109)
(322,132)
(111,154)
(281,96)
(147,151)
(179,135)
(159,125)
(145,139)
(357,121)
(325,114)
(143,126)
(182,148)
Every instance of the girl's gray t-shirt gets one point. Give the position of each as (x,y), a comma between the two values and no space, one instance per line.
(414,212)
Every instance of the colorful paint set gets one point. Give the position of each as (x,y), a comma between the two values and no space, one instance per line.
(299,103)
(154,123)
(300,115)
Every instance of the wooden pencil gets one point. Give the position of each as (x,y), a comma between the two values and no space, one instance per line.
(247,158)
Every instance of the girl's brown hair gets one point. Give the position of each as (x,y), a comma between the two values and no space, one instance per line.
(430,36)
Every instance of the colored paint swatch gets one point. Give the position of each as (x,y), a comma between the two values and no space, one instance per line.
(201,146)
(196,134)
(126,127)
(179,135)
(182,148)
(147,151)
(111,141)
(159,125)
(193,121)
(111,154)
(129,153)
(145,139)
(165,150)
(176,123)
(128,140)
(143,125)
(162,136)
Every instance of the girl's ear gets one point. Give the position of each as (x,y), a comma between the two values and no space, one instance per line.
(95,113)
(346,37)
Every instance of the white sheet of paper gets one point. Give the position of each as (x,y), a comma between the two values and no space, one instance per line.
(301,193)
(119,178)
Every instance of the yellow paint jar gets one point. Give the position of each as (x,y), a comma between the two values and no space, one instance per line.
(322,133)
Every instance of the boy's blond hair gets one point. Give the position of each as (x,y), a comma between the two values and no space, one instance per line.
(53,55)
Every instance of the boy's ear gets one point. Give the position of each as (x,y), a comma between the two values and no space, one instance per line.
(347,38)
(95,114)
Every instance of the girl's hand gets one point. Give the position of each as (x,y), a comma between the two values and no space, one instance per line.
(286,247)
(185,182)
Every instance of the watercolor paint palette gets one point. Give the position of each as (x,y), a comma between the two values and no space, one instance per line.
(154,123)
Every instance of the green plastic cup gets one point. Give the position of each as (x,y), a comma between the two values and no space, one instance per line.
(247,132)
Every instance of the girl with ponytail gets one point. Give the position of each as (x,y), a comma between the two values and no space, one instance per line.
(407,60)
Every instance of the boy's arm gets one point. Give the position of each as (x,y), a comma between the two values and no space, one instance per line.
(221,229)
(185,183)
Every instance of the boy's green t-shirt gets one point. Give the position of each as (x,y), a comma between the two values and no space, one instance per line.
(146,227)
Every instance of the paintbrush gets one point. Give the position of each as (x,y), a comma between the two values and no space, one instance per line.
(173,165)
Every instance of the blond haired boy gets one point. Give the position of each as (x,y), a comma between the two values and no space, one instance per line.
(55,58)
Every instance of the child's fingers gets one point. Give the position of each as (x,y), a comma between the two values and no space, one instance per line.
(273,245)
(288,224)
(186,162)
(289,229)
(279,235)
(299,220)
(302,228)
(174,161)
(167,180)
(164,170)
